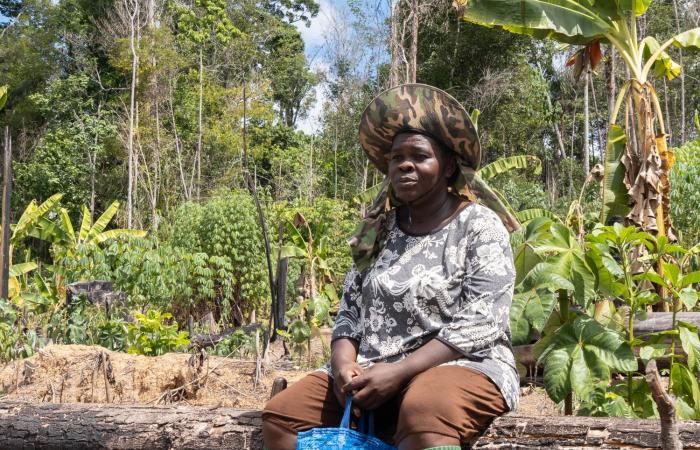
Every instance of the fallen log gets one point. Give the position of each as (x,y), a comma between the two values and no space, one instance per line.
(83,426)
(94,426)
(568,432)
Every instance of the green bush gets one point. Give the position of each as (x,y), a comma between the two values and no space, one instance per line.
(152,336)
(685,192)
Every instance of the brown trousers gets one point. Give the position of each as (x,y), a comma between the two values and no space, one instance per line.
(448,400)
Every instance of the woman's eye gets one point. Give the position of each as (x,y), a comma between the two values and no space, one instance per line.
(395,158)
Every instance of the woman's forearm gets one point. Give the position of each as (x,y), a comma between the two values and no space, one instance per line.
(343,351)
(432,354)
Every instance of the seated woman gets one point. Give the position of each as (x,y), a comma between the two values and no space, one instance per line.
(422,334)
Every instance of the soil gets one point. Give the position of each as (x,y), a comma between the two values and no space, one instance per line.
(93,374)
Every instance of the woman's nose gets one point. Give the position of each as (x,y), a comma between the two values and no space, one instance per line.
(406,166)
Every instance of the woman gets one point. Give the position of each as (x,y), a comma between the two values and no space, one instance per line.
(422,333)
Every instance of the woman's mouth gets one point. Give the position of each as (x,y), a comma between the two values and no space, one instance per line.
(407,181)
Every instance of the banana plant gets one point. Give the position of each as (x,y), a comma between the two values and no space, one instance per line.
(614,22)
(3,96)
(65,240)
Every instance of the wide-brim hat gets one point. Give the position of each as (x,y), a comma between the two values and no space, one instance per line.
(419,108)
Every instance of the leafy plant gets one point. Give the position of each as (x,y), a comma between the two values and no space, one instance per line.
(613,22)
(152,336)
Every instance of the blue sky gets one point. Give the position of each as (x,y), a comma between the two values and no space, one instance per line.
(314,39)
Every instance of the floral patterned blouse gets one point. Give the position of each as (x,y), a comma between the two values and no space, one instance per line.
(454,284)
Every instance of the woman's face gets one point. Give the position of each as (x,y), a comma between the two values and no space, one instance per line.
(418,168)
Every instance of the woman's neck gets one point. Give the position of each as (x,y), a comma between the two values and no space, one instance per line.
(429,213)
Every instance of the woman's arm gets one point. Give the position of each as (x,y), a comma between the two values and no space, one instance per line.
(383,380)
(346,335)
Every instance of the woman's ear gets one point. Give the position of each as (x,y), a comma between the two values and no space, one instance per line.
(450,166)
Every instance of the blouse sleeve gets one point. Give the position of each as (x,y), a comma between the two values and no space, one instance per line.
(487,288)
(349,318)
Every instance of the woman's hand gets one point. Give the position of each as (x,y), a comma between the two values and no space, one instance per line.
(343,375)
(376,385)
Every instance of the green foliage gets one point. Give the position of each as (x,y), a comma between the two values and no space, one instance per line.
(685,191)
(226,228)
(152,336)
(581,347)
(239,343)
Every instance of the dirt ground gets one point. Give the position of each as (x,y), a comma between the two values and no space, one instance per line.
(92,374)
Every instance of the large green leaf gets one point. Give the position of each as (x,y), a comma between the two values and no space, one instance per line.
(17,270)
(525,258)
(31,215)
(664,66)
(527,215)
(3,96)
(570,21)
(567,260)
(117,232)
(102,222)
(690,38)
(579,358)
(85,225)
(292,251)
(684,385)
(615,197)
(503,165)
(691,345)
(529,312)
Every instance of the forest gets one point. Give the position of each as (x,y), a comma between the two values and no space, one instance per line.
(202,158)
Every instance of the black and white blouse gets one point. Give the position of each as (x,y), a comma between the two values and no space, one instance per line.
(454,284)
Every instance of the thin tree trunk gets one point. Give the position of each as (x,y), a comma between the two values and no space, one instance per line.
(199,125)
(132,106)
(414,42)
(682,75)
(393,43)
(454,53)
(586,124)
(93,165)
(178,149)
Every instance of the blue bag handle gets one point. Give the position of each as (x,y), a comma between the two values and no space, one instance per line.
(345,423)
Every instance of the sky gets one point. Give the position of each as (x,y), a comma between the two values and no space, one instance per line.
(314,38)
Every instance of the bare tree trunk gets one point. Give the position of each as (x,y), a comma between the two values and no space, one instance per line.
(393,43)
(454,52)
(178,148)
(586,124)
(414,42)
(93,165)
(682,75)
(199,125)
(133,14)
(610,80)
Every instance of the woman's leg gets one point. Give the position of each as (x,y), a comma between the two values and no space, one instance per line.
(306,404)
(446,405)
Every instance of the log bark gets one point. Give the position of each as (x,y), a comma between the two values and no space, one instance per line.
(93,426)
(524,433)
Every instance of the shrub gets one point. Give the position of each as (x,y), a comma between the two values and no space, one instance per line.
(152,336)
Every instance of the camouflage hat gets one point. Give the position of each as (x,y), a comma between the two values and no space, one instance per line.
(421,108)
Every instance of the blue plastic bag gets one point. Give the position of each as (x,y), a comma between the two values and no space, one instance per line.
(343,438)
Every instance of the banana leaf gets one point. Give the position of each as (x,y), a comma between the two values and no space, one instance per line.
(503,165)
(569,21)
(527,215)
(615,197)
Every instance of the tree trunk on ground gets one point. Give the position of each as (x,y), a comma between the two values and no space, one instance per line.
(526,433)
(88,426)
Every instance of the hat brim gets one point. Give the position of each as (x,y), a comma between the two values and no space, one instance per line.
(421,108)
